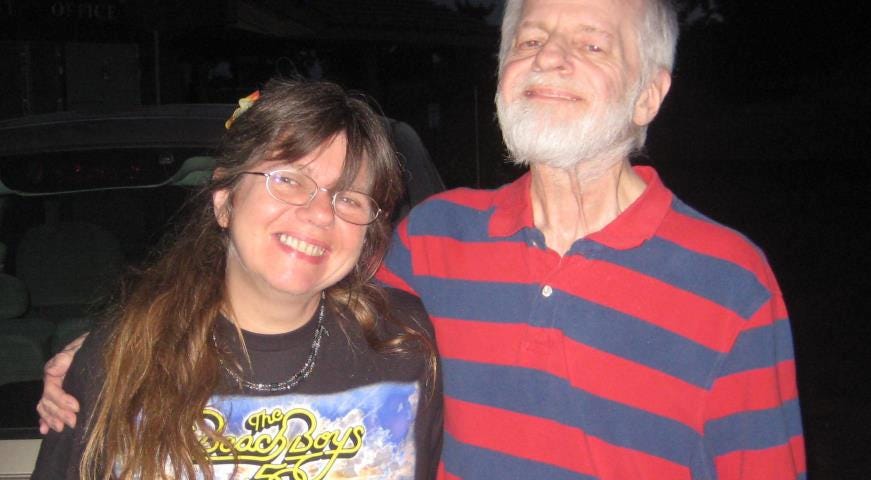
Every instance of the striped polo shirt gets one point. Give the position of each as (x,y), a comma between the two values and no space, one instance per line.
(656,348)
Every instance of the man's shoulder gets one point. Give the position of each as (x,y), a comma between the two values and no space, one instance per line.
(696,231)
(463,197)
(463,205)
(462,214)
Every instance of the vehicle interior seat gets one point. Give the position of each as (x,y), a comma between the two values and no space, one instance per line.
(67,267)
(68,330)
(14,297)
(421,177)
(23,341)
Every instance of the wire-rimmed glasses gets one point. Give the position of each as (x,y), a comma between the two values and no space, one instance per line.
(296,188)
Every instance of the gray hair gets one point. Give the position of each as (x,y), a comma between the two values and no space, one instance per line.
(657,35)
(510,21)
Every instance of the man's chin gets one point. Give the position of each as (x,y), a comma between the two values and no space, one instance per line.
(568,158)
(550,115)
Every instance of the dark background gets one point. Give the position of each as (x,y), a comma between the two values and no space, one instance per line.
(764,129)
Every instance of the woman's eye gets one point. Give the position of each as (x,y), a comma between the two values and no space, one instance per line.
(286,181)
(348,201)
(530,44)
(593,48)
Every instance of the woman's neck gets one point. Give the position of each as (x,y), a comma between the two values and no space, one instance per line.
(263,310)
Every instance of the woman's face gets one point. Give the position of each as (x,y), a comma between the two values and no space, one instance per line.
(284,251)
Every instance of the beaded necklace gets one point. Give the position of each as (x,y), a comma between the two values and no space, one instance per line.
(297,377)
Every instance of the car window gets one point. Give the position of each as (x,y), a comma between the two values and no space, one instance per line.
(69,252)
(111,168)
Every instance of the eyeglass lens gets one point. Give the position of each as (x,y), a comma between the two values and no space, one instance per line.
(297,188)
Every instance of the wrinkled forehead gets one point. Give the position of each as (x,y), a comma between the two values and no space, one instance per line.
(612,17)
(618,7)
(618,20)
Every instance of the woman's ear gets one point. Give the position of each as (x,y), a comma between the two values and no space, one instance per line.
(221,206)
(221,201)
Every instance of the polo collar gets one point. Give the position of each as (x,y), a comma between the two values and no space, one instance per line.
(512,208)
(512,211)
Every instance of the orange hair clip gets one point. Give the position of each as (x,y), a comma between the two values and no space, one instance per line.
(244,104)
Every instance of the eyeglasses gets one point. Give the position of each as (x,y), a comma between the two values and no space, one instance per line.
(296,188)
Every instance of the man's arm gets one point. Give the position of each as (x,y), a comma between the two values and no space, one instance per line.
(56,408)
(60,452)
(753,420)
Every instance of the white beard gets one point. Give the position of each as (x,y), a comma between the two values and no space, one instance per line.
(535,133)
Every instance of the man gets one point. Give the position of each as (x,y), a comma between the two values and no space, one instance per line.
(592,325)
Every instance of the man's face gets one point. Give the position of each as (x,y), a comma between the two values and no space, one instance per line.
(568,87)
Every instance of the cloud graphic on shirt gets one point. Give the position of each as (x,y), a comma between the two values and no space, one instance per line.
(386,410)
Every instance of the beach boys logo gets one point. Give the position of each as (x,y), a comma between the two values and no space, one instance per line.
(285,443)
(364,432)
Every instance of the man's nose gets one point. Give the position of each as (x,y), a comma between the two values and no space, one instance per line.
(553,55)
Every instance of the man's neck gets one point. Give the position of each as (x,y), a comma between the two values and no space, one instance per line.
(570,204)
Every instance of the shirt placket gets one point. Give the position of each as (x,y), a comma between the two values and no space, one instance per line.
(537,344)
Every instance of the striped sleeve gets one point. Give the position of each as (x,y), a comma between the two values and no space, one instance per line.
(753,424)
(396,270)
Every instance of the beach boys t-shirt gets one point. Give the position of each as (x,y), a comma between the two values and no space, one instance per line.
(359,414)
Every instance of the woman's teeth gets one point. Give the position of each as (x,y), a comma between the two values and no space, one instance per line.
(301,246)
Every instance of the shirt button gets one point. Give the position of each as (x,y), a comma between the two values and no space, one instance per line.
(547,291)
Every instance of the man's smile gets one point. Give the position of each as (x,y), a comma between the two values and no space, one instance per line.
(547,93)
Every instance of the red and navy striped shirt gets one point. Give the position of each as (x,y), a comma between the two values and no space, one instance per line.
(656,348)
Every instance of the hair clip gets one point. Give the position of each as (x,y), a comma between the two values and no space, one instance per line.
(244,104)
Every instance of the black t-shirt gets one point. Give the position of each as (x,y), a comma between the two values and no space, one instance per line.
(358,414)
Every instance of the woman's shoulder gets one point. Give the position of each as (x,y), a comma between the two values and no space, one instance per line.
(400,300)
(408,308)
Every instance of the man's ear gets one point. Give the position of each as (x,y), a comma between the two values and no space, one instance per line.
(648,103)
(221,201)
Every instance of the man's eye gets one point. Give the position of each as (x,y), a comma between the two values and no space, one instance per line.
(530,44)
(593,48)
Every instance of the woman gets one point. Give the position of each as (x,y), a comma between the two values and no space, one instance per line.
(257,344)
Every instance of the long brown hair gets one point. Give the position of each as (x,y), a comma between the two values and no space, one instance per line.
(160,362)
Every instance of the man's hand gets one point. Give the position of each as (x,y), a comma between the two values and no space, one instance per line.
(56,408)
